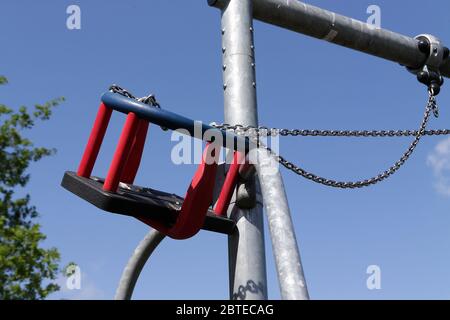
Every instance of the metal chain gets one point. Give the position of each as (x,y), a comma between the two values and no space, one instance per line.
(265,131)
(418,134)
(150,99)
(262,131)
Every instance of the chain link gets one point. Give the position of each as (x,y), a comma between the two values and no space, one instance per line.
(334,133)
(150,99)
(273,132)
(418,134)
(255,132)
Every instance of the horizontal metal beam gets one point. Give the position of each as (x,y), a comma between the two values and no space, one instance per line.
(338,29)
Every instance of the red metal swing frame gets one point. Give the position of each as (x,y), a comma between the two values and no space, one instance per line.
(125,165)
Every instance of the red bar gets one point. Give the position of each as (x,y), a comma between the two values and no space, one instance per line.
(196,202)
(228,186)
(95,141)
(134,159)
(122,152)
(198,197)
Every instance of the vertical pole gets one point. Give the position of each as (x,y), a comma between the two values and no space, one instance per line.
(247,263)
(284,243)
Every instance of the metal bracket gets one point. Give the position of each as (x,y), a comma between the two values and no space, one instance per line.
(436,54)
(435,51)
(429,73)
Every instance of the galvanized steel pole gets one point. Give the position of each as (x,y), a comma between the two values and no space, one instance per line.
(247,263)
(341,30)
(136,263)
(284,243)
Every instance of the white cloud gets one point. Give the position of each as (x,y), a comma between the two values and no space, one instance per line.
(439,161)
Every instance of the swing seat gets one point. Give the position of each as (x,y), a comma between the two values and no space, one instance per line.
(139,202)
(172,215)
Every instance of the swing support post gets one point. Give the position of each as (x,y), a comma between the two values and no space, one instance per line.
(247,262)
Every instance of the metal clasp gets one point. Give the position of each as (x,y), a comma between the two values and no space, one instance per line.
(429,73)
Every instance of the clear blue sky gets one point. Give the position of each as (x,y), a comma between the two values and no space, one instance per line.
(172,48)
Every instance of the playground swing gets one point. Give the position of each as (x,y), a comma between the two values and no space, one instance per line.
(181,218)
(170,214)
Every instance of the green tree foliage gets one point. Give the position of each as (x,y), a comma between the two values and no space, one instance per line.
(27,271)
